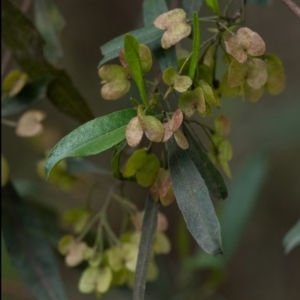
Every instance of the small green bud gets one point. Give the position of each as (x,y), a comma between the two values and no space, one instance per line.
(88,279)
(104,279)
(180,82)
(116,84)
(191,101)
(14,82)
(276,77)
(161,244)
(64,244)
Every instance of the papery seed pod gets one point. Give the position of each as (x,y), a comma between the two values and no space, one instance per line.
(176,26)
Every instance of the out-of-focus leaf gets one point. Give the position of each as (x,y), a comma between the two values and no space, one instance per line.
(262,2)
(7,270)
(34,193)
(196,46)
(145,248)
(29,252)
(131,52)
(77,165)
(26,46)
(240,204)
(4,171)
(193,199)
(30,94)
(115,160)
(91,138)
(49,21)
(165,57)
(152,9)
(214,6)
(237,210)
(212,177)
(292,238)
(191,6)
(149,35)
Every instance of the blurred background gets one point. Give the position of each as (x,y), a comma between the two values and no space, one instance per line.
(258,268)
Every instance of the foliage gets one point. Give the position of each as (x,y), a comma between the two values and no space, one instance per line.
(161,121)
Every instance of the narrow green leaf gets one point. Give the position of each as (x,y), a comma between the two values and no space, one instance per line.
(191,6)
(115,160)
(237,210)
(211,175)
(29,252)
(30,94)
(214,6)
(145,248)
(152,9)
(49,21)
(131,53)
(26,45)
(149,35)
(196,46)
(292,238)
(193,199)
(91,138)
(77,165)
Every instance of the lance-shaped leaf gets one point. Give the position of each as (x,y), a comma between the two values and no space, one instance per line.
(31,93)
(247,185)
(131,53)
(149,36)
(26,45)
(193,200)
(214,6)
(91,138)
(196,46)
(212,177)
(28,250)
(49,21)
(152,9)
(145,248)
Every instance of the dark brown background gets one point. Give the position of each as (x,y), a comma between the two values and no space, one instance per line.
(259,270)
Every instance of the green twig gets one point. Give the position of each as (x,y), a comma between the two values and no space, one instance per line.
(9,123)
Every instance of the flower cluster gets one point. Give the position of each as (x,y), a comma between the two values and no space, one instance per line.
(116,265)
